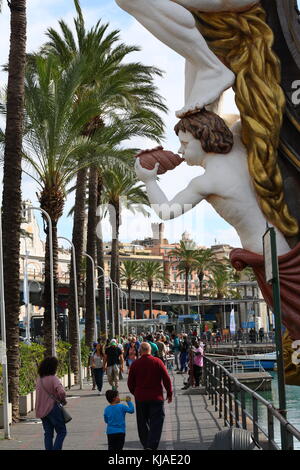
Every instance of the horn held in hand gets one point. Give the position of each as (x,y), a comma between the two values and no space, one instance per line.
(167,160)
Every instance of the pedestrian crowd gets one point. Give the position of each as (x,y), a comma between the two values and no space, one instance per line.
(149,359)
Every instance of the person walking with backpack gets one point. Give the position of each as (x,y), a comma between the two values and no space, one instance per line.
(161,348)
(154,348)
(49,394)
(113,363)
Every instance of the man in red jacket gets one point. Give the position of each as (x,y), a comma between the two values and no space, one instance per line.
(146,376)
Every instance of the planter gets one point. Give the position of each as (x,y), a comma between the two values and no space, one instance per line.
(33,399)
(9,415)
(62,380)
(66,380)
(25,404)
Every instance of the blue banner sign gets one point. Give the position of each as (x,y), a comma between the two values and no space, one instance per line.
(194,316)
(248,324)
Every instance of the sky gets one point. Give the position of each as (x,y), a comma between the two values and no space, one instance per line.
(205,226)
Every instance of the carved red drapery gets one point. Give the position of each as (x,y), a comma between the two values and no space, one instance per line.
(289,272)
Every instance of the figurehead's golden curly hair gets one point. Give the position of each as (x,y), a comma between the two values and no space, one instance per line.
(243,41)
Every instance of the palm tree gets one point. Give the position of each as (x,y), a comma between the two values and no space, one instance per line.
(130,273)
(218,282)
(186,259)
(100,257)
(11,196)
(205,261)
(119,86)
(121,191)
(218,285)
(53,144)
(151,271)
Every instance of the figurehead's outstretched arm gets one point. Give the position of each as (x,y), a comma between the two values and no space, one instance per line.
(217,5)
(184,201)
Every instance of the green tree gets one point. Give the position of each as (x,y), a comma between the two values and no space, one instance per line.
(218,282)
(205,261)
(54,145)
(120,85)
(11,196)
(186,260)
(151,271)
(121,191)
(130,273)
(218,285)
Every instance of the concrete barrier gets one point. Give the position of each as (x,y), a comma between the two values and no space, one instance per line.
(2,417)
(25,404)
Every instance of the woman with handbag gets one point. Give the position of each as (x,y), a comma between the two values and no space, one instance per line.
(97,366)
(50,396)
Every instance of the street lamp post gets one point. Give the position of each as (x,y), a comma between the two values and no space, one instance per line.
(126,306)
(27,305)
(76,309)
(118,306)
(123,293)
(3,354)
(94,296)
(53,333)
(104,295)
(112,307)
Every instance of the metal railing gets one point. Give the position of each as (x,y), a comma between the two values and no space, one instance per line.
(229,398)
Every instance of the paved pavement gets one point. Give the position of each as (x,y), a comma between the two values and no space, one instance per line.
(190,423)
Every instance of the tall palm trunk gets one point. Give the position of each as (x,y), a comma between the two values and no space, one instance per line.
(129,298)
(115,264)
(115,223)
(200,275)
(77,239)
(52,201)
(47,289)
(150,285)
(186,307)
(91,250)
(100,260)
(11,216)
(101,284)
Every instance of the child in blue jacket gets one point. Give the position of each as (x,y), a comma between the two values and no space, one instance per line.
(114,416)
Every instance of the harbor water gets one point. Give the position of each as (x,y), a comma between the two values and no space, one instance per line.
(293,407)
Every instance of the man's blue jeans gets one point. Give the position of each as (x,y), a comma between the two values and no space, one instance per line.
(54,421)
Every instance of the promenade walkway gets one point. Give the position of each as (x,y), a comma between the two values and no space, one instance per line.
(190,423)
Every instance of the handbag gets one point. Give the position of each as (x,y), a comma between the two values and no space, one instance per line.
(66,415)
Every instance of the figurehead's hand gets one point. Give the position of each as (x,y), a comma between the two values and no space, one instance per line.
(143,174)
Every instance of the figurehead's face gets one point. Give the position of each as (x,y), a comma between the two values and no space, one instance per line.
(190,149)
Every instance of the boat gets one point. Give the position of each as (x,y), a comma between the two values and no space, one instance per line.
(257,361)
